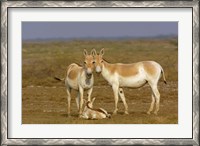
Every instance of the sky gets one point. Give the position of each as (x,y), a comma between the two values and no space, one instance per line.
(81,30)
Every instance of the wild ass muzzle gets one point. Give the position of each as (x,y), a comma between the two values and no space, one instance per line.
(79,78)
(90,113)
(134,75)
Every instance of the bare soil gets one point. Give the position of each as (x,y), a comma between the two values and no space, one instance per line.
(48,105)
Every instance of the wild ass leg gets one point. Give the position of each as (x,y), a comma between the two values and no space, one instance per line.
(156,94)
(121,94)
(152,104)
(77,100)
(157,97)
(89,94)
(68,89)
(115,91)
(81,100)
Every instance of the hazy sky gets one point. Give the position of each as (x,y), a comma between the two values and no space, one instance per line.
(68,30)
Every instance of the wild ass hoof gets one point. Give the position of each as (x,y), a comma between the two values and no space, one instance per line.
(108,115)
(126,113)
(148,113)
(115,112)
(155,113)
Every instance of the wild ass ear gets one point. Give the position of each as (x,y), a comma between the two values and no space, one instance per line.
(85,52)
(93,52)
(93,99)
(102,52)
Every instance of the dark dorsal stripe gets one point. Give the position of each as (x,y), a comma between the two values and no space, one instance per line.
(106,60)
(78,64)
(103,59)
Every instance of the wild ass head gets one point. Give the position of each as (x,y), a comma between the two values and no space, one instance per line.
(88,104)
(91,113)
(98,60)
(88,63)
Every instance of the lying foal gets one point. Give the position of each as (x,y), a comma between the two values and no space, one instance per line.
(90,113)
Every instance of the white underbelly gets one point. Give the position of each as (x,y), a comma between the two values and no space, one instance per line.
(134,82)
(74,84)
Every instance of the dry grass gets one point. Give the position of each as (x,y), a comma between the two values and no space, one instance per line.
(44,99)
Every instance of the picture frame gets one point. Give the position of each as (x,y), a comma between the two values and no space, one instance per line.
(6,5)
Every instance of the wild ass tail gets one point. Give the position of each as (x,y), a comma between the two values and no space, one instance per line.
(162,71)
(62,79)
(59,79)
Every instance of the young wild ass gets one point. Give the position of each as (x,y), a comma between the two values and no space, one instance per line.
(90,113)
(133,75)
(79,78)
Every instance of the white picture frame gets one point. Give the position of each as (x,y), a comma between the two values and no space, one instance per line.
(6,5)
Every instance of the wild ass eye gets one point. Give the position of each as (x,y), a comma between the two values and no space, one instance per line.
(102,61)
(93,62)
(84,62)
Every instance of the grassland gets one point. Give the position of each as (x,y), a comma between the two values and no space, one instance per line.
(44,99)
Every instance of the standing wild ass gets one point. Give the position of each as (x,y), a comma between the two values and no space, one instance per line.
(91,113)
(133,75)
(79,78)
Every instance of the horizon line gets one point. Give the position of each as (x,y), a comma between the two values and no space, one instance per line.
(102,38)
